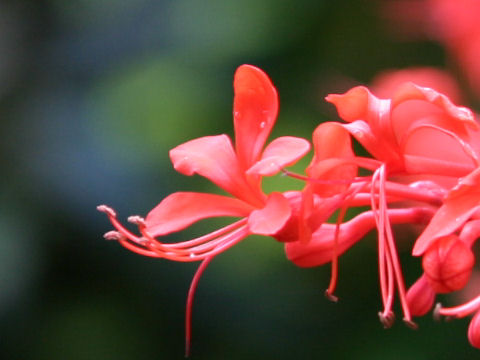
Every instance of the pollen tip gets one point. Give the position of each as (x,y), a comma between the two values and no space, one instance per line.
(112,235)
(386,320)
(330,296)
(411,324)
(137,220)
(436,312)
(107,210)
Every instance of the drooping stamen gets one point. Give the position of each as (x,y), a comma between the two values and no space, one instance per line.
(189,306)
(379,220)
(389,265)
(347,197)
(334,273)
(393,251)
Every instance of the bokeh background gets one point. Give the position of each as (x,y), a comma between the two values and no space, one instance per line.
(93,94)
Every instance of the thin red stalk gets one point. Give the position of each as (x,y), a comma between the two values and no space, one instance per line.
(410,193)
(341,215)
(461,310)
(417,165)
(189,306)
(334,273)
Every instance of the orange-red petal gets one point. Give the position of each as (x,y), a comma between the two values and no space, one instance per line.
(255,110)
(272,218)
(181,209)
(281,152)
(214,158)
(461,202)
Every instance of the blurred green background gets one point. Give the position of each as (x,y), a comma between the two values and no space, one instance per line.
(93,94)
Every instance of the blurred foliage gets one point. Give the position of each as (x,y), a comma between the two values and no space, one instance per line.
(93,94)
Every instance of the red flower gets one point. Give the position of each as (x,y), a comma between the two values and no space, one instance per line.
(458,207)
(406,135)
(417,130)
(237,170)
(386,83)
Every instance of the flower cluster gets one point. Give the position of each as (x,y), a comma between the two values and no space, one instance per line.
(423,169)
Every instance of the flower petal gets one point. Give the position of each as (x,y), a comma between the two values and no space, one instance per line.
(255,110)
(370,122)
(214,158)
(333,150)
(272,217)
(281,152)
(181,209)
(320,249)
(461,202)
(386,83)
(459,116)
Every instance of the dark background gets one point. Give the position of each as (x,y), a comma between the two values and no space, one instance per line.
(93,94)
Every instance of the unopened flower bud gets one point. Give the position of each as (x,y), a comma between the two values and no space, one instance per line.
(420,297)
(448,264)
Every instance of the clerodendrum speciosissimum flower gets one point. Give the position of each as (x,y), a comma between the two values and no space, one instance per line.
(236,169)
(423,169)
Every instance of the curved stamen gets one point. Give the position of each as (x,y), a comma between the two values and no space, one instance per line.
(221,244)
(347,196)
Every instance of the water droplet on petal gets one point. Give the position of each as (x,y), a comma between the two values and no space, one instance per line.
(263,124)
(236,113)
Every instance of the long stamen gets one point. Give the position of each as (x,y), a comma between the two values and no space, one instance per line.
(223,243)
(387,317)
(334,275)
(348,196)
(393,251)
(200,244)
(381,241)
(187,251)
